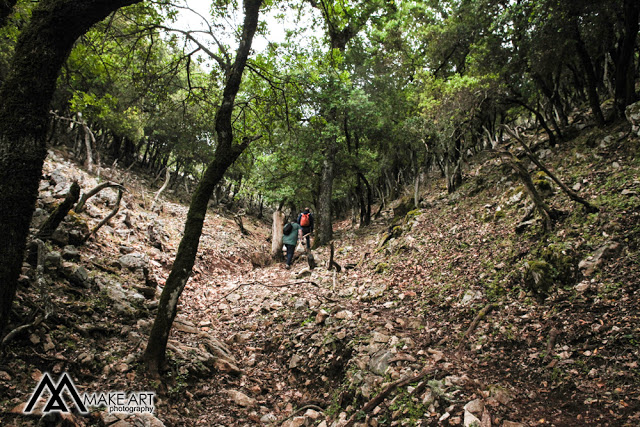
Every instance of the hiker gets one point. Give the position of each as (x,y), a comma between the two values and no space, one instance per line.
(290,240)
(305,219)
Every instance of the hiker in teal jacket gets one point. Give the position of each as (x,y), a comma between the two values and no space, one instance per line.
(291,240)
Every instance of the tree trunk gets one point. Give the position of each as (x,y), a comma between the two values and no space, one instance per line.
(366,219)
(276,233)
(592,81)
(226,153)
(56,217)
(625,86)
(324,231)
(26,93)
(552,138)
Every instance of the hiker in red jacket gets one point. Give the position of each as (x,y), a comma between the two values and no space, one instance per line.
(305,219)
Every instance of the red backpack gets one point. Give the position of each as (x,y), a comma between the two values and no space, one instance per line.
(304,220)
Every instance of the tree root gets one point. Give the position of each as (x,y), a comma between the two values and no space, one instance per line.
(481,314)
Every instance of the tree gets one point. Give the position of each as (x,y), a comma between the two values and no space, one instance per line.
(226,153)
(42,48)
(343,22)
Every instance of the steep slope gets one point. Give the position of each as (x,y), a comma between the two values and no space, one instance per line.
(441,316)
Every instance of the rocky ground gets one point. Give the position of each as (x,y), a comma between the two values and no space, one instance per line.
(441,315)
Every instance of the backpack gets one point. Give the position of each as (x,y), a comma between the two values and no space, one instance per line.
(287,229)
(305,221)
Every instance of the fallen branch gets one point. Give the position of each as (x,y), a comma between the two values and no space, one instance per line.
(113,213)
(89,194)
(17,331)
(481,314)
(569,192)
(545,211)
(378,399)
(164,186)
(41,283)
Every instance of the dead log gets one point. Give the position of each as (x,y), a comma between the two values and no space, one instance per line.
(56,217)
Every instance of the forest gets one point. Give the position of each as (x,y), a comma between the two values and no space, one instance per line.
(471,167)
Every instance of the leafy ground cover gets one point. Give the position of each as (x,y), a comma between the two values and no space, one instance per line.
(485,324)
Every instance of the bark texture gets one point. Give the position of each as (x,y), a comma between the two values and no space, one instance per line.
(226,153)
(42,48)
(276,233)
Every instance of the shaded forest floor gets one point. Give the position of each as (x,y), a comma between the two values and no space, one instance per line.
(506,328)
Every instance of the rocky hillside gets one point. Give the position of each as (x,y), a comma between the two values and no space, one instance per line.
(454,313)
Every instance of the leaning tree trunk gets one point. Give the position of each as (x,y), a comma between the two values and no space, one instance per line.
(226,153)
(42,48)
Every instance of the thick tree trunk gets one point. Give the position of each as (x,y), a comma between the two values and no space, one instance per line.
(42,48)
(226,153)
(276,233)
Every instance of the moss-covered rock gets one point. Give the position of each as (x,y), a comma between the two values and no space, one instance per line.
(555,264)
(539,277)
(382,267)
(544,184)
(405,206)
